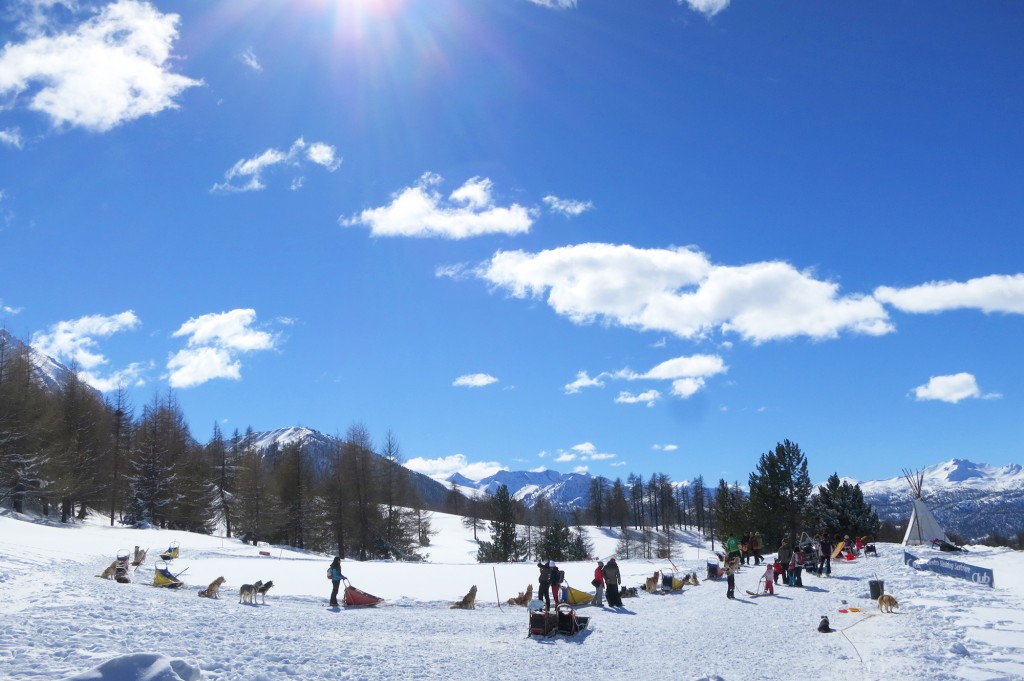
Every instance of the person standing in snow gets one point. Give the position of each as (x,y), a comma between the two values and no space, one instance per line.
(825,555)
(556,581)
(785,553)
(769,579)
(732,566)
(334,574)
(611,580)
(598,599)
(755,547)
(544,581)
(796,567)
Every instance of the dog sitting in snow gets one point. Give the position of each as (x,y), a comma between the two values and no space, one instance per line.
(651,583)
(212,591)
(887,603)
(247,592)
(628,592)
(263,589)
(692,579)
(468,601)
(108,572)
(524,597)
(823,626)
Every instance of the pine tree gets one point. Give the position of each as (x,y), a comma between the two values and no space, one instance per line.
(779,492)
(505,544)
(839,508)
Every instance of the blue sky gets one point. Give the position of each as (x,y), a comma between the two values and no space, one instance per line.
(656,236)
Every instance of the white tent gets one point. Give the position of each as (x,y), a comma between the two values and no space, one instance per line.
(923,527)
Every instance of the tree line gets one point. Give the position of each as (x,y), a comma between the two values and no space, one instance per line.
(68,450)
(781,502)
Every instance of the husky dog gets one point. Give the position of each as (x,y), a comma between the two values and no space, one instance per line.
(651,583)
(263,589)
(524,597)
(108,572)
(823,626)
(628,592)
(468,601)
(247,592)
(212,591)
(887,603)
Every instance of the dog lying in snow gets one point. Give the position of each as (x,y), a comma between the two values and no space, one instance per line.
(468,601)
(263,589)
(212,591)
(887,603)
(524,597)
(247,592)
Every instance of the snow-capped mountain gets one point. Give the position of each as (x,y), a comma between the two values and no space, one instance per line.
(321,449)
(565,491)
(45,369)
(970,499)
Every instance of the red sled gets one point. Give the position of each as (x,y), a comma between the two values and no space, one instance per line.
(358,597)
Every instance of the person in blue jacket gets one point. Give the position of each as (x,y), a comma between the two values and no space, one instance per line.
(334,574)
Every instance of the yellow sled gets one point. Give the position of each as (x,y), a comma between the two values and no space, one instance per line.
(171,553)
(575,596)
(162,577)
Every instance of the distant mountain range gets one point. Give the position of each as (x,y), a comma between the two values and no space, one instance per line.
(970,499)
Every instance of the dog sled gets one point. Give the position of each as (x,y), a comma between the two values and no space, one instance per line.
(121,571)
(358,598)
(563,620)
(669,581)
(171,553)
(163,577)
(575,596)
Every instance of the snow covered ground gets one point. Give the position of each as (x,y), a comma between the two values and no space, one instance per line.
(60,621)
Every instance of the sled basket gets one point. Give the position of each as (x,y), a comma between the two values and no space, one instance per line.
(569,622)
(357,597)
(543,623)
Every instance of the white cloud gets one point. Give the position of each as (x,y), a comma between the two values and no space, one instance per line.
(583,380)
(994,293)
(249,59)
(665,448)
(75,340)
(443,467)
(11,137)
(687,374)
(951,389)
(619,463)
(215,341)
(474,380)
(585,448)
(555,4)
(421,211)
(708,8)
(565,457)
(109,69)
(7,309)
(580,469)
(600,456)
(247,174)
(648,397)
(567,207)
(680,291)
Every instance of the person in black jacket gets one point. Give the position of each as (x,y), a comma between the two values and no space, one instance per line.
(544,581)
(612,578)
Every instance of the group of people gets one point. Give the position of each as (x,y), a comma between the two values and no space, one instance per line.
(606,580)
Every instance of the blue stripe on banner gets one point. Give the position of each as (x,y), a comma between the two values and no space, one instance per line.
(952,568)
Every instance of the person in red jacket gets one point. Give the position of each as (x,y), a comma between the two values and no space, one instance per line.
(598,599)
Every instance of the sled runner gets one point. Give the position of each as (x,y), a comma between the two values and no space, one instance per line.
(358,597)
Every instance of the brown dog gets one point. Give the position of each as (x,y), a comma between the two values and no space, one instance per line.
(108,572)
(887,603)
(651,583)
(262,591)
(212,591)
(524,597)
(468,601)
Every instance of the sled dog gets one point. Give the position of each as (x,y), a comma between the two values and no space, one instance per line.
(524,597)
(247,592)
(468,601)
(263,589)
(887,603)
(212,591)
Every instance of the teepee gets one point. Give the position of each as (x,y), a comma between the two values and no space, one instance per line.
(923,527)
